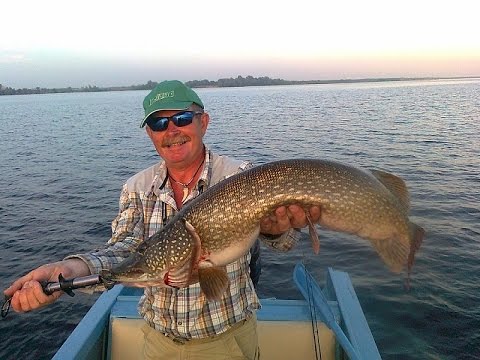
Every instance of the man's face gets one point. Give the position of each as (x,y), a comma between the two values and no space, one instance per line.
(179,146)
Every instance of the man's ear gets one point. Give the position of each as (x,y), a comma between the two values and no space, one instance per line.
(205,119)
(149,131)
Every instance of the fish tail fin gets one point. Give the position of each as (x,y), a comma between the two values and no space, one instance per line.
(213,280)
(417,235)
(393,252)
(396,253)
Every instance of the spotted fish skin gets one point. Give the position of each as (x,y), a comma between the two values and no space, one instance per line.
(371,204)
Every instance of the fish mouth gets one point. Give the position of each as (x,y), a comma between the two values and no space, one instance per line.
(132,276)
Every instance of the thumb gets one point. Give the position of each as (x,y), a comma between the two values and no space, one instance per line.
(17,284)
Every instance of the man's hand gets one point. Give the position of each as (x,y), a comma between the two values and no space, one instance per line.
(27,293)
(286,217)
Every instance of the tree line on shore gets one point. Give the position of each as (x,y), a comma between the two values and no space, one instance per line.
(89,88)
(239,81)
(227,82)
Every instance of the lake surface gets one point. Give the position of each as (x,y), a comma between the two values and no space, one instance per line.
(64,158)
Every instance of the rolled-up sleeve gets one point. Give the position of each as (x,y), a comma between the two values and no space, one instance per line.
(284,242)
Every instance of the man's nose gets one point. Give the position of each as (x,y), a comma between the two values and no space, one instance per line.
(171,127)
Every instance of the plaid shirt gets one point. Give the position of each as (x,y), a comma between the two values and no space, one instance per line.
(146,205)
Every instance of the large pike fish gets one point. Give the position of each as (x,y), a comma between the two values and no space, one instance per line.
(220,225)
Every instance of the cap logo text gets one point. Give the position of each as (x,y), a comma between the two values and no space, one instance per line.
(161,96)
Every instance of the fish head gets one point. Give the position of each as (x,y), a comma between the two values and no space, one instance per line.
(169,257)
(132,270)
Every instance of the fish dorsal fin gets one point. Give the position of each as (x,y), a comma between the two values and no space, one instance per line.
(396,186)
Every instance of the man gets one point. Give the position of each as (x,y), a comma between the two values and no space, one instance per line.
(180,323)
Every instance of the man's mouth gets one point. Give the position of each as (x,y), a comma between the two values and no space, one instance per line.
(175,142)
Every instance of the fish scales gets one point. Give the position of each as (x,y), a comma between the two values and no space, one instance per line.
(226,217)
(259,191)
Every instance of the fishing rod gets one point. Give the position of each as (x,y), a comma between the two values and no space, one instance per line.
(313,316)
(66,285)
(304,279)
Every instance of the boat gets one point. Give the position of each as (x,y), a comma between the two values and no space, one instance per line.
(328,323)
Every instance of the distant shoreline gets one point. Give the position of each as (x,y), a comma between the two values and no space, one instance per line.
(226,82)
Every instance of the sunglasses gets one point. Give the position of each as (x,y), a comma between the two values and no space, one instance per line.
(180,119)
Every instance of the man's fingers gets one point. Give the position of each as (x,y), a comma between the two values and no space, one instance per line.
(32,303)
(297,216)
(24,299)
(315,214)
(280,212)
(31,296)
(282,219)
(286,217)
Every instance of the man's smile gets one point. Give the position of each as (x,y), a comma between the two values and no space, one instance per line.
(175,142)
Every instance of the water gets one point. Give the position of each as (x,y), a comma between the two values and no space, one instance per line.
(64,158)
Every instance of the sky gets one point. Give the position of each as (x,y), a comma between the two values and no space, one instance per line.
(116,43)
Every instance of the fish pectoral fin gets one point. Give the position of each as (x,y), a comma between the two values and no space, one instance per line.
(213,280)
(313,235)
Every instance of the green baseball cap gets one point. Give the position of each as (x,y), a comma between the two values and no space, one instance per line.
(169,95)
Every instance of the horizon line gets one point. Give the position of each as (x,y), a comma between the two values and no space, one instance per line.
(249,77)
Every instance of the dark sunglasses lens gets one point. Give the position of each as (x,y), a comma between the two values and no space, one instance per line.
(158,124)
(161,123)
(183,119)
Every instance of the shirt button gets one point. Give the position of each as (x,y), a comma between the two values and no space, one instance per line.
(180,293)
(179,323)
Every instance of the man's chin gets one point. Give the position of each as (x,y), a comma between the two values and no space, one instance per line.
(176,153)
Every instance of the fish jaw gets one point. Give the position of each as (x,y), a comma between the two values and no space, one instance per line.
(141,277)
(132,270)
